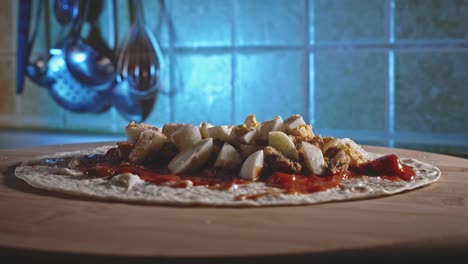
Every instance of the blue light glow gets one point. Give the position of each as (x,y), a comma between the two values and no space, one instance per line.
(79,57)
(55,52)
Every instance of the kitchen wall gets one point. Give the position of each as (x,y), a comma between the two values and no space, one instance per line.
(384,72)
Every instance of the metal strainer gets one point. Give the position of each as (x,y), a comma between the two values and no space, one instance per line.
(73,95)
(67,91)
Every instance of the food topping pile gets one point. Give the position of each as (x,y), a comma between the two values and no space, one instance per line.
(281,153)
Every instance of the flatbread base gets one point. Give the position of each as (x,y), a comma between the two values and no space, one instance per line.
(39,173)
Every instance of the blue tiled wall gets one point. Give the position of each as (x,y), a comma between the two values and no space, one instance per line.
(385,72)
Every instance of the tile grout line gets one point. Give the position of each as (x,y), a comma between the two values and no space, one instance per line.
(168,8)
(309,40)
(421,46)
(386,21)
(391,75)
(388,74)
(233,60)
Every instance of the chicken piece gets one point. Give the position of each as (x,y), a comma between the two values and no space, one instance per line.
(246,150)
(168,151)
(160,159)
(336,160)
(317,140)
(303,132)
(251,121)
(123,150)
(278,162)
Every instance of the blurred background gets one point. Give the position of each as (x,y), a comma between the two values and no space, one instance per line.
(383,72)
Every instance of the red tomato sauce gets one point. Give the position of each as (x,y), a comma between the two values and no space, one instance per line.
(388,167)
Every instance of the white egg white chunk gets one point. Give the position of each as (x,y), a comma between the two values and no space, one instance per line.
(294,121)
(219,132)
(357,154)
(355,151)
(185,137)
(330,142)
(242,134)
(170,128)
(204,129)
(266,127)
(252,166)
(228,157)
(283,143)
(313,158)
(133,131)
(150,141)
(192,158)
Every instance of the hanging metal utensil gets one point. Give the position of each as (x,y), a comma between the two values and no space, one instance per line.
(66,11)
(51,72)
(69,92)
(87,64)
(36,69)
(73,95)
(24,17)
(139,67)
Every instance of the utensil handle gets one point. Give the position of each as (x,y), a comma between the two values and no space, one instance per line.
(24,17)
(115,27)
(138,13)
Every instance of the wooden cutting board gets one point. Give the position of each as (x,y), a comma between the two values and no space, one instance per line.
(433,218)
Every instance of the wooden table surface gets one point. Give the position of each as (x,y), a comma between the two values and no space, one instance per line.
(431,220)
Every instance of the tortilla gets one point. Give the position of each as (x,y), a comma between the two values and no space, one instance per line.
(50,173)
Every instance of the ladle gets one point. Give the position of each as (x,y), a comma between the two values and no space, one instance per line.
(87,64)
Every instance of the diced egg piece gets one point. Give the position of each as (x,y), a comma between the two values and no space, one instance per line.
(185,137)
(329,142)
(133,131)
(277,124)
(313,158)
(228,157)
(219,132)
(252,166)
(294,121)
(204,129)
(192,158)
(357,154)
(355,151)
(242,134)
(283,143)
(170,128)
(150,141)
